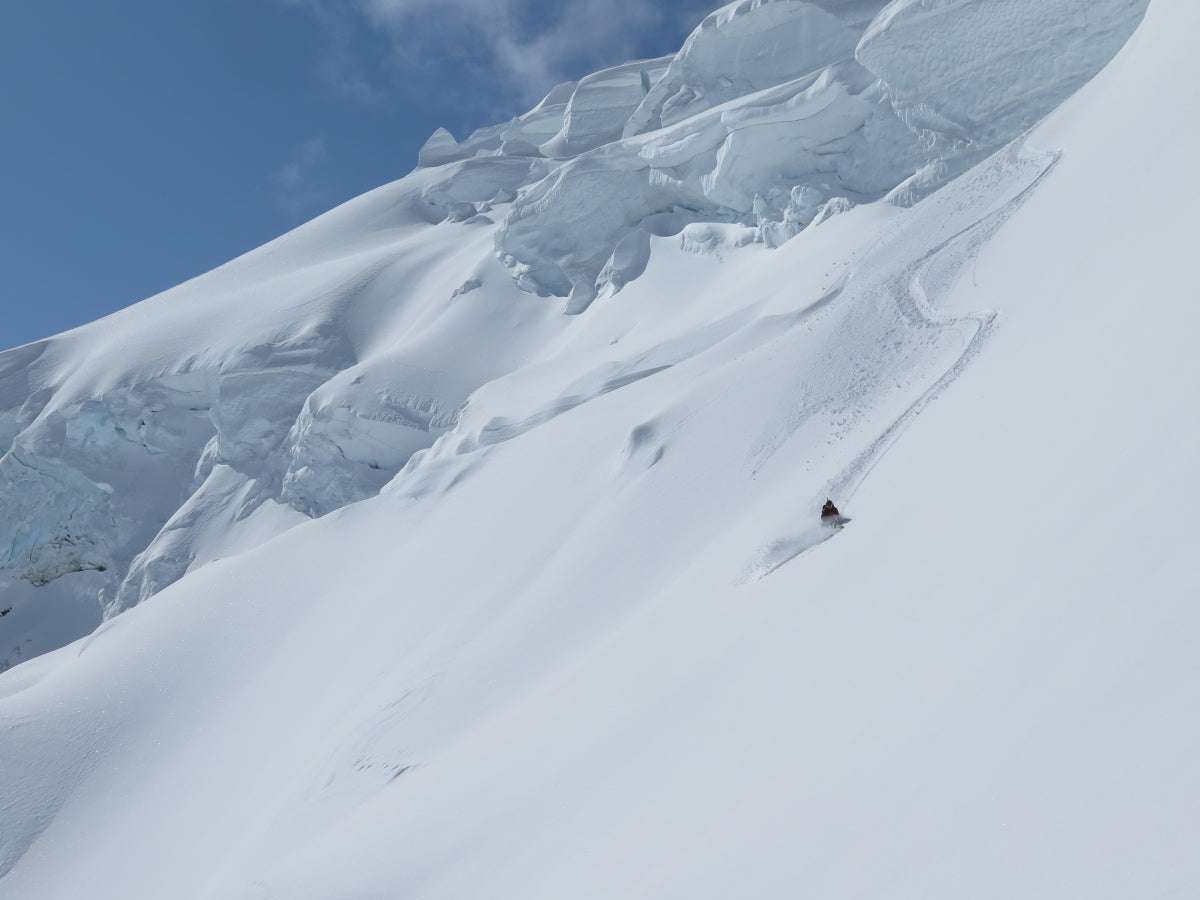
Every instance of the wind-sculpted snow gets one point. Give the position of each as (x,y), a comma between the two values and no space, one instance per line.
(304,376)
(285,385)
(980,73)
(353,435)
(746,47)
(764,101)
(772,114)
(720,166)
(600,107)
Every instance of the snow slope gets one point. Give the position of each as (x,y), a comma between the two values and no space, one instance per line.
(306,374)
(590,640)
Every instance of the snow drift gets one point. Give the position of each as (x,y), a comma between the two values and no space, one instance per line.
(442,592)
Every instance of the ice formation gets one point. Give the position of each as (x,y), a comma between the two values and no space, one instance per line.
(479,599)
(302,377)
(781,107)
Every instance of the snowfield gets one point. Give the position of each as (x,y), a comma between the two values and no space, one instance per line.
(465,543)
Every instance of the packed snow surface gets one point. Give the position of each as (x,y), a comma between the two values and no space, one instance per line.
(466,543)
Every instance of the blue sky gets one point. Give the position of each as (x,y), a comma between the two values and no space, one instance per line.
(146,142)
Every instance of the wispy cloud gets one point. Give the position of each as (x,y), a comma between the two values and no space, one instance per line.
(296,188)
(511,51)
(342,63)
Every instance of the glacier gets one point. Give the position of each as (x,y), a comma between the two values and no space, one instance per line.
(463,542)
(771,118)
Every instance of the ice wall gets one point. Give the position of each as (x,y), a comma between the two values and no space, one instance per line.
(743,48)
(773,110)
(981,72)
(600,107)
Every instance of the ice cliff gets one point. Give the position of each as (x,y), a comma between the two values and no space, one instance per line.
(774,109)
(305,375)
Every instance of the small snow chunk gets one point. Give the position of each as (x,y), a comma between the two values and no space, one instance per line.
(628,260)
(831,208)
(927,179)
(471,284)
(519,147)
(580,298)
(712,237)
(461,211)
(644,447)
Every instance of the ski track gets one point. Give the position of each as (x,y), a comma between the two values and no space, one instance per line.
(912,299)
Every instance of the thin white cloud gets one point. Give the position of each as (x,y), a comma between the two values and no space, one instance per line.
(520,48)
(296,189)
(587,36)
(341,64)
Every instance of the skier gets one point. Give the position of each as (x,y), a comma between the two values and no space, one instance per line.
(829,511)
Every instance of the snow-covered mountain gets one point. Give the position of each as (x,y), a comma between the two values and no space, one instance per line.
(464,542)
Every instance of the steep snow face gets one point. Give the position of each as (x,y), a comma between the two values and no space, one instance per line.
(685,432)
(304,376)
(591,640)
(600,106)
(983,72)
(743,48)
